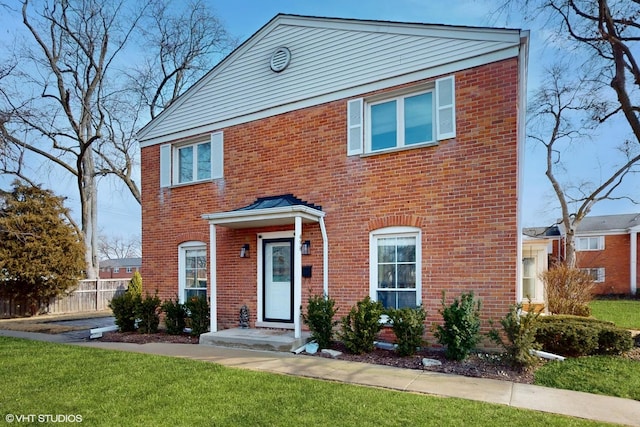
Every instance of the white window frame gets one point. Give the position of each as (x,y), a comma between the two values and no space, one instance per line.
(400,115)
(599,273)
(116,269)
(182,278)
(129,270)
(194,167)
(599,243)
(387,232)
(443,119)
(170,161)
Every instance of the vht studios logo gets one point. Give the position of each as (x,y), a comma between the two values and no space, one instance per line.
(43,418)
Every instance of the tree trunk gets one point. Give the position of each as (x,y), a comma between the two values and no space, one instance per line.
(89,205)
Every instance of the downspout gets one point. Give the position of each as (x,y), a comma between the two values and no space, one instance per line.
(297,279)
(521,135)
(633,262)
(325,259)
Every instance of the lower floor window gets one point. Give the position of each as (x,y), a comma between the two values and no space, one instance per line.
(193,271)
(597,274)
(395,267)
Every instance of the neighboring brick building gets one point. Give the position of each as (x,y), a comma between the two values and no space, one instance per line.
(342,156)
(120,268)
(607,247)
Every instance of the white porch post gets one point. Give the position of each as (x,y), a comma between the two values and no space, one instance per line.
(213,322)
(325,259)
(633,262)
(297,277)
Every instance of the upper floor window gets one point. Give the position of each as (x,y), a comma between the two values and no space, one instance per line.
(402,119)
(129,269)
(593,243)
(195,162)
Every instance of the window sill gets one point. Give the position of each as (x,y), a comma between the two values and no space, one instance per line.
(405,148)
(186,184)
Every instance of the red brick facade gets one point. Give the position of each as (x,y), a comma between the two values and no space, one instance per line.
(461,193)
(615,258)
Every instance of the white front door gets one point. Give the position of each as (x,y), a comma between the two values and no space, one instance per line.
(277,297)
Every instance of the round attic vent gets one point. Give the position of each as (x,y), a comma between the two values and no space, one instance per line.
(280,59)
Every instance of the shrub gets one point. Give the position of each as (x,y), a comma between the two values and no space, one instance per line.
(614,340)
(135,284)
(577,336)
(148,314)
(569,290)
(175,316)
(124,311)
(198,311)
(461,329)
(408,327)
(319,319)
(361,325)
(520,333)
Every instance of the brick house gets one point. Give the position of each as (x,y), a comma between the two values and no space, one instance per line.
(345,157)
(119,268)
(606,247)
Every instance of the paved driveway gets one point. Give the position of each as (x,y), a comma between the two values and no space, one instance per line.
(86,324)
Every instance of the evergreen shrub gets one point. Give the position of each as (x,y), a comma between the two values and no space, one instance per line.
(319,319)
(361,325)
(175,316)
(408,326)
(460,331)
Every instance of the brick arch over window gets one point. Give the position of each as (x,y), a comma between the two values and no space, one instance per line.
(191,236)
(395,221)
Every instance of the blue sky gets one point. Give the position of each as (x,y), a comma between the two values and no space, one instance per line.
(120,214)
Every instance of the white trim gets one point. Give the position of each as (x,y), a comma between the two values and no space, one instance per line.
(633,257)
(496,35)
(182,249)
(399,98)
(213,279)
(449,68)
(297,279)
(355,130)
(260,322)
(373,256)
(266,217)
(441,109)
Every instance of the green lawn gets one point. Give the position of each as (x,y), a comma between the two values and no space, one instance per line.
(608,375)
(600,374)
(624,313)
(110,388)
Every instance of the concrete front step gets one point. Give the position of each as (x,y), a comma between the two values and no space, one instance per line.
(255,338)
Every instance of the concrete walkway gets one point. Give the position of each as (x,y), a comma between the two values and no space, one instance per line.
(571,403)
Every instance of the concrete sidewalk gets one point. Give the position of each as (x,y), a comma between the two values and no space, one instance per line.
(571,403)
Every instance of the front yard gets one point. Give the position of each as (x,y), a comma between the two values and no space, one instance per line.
(109,388)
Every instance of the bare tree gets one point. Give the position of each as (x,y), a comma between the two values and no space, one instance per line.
(69,103)
(603,81)
(116,247)
(561,116)
(182,46)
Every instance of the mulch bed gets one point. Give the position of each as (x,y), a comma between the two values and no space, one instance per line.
(137,338)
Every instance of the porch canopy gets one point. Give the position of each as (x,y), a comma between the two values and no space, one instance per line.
(266,212)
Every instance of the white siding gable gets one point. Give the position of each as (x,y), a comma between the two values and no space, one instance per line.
(330,59)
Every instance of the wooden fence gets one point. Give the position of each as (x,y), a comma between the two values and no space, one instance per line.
(90,295)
